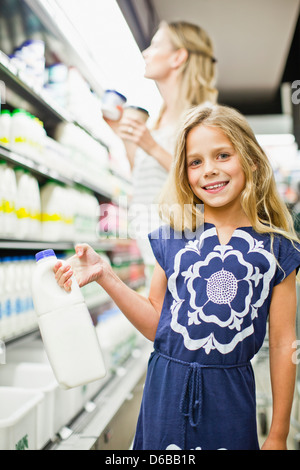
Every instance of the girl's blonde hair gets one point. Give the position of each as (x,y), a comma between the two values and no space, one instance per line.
(198,72)
(259,199)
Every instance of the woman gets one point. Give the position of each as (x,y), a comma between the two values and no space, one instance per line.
(180,60)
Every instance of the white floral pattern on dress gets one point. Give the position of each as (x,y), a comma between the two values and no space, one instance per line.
(231,290)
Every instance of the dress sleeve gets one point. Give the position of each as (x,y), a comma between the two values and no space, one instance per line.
(288,258)
(156,240)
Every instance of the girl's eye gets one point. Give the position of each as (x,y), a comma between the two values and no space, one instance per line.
(195,162)
(223,156)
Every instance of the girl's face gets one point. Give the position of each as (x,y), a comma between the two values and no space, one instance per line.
(158,56)
(214,170)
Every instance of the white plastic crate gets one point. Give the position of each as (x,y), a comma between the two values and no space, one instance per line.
(68,403)
(40,378)
(18,418)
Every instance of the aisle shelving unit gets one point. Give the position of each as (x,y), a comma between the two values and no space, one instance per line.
(113,394)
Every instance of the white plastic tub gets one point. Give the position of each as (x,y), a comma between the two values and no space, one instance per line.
(40,378)
(18,418)
(68,403)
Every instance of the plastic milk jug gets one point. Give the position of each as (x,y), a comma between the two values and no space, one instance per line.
(66,327)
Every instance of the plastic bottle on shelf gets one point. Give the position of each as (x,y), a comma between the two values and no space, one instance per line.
(23,203)
(66,327)
(8,201)
(40,138)
(51,200)
(2,320)
(18,306)
(9,313)
(19,131)
(27,266)
(5,123)
(35,232)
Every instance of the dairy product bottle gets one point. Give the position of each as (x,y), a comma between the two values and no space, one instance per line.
(66,327)
(35,209)
(51,204)
(9,294)
(2,320)
(8,196)
(5,122)
(23,203)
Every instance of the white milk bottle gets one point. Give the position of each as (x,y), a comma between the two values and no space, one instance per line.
(66,327)
(9,313)
(5,122)
(2,319)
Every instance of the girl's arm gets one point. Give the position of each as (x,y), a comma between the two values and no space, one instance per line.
(282,369)
(88,266)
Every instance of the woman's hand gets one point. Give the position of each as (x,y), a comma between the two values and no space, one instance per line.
(86,265)
(138,133)
(114,125)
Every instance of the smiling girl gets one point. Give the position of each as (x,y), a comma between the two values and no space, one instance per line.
(215,285)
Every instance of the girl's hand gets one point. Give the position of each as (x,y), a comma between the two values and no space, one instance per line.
(86,265)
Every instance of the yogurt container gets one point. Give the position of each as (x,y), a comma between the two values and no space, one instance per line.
(111,101)
(135,112)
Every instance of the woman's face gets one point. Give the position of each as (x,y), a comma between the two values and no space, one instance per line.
(159,56)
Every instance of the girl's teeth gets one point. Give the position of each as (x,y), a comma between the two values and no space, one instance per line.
(215,186)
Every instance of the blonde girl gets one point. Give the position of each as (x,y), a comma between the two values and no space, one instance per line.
(214,287)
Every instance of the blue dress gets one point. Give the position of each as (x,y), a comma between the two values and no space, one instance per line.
(200,390)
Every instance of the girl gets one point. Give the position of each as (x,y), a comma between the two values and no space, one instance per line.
(215,285)
(181,61)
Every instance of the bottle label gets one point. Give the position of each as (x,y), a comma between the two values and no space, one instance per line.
(8,206)
(22,213)
(51,217)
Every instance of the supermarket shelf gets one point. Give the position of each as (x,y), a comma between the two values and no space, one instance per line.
(47,108)
(30,245)
(84,432)
(42,170)
(9,74)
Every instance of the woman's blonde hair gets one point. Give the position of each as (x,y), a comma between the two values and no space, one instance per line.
(198,72)
(259,199)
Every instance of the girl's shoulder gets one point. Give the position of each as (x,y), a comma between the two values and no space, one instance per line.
(287,254)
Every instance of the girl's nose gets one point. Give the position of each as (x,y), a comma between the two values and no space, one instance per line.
(210,169)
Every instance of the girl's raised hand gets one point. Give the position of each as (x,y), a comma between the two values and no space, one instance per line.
(86,265)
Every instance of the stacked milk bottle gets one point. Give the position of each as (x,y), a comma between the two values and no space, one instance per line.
(20,206)
(23,133)
(16,308)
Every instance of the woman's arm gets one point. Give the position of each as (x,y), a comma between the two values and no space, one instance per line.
(130,147)
(137,133)
(282,369)
(88,266)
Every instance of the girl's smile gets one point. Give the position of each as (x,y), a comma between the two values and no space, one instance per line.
(215,187)
(214,169)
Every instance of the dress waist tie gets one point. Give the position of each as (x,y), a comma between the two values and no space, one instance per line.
(191,398)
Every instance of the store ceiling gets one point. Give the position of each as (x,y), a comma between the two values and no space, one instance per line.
(257,43)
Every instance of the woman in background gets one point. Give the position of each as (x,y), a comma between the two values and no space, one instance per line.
(180,59)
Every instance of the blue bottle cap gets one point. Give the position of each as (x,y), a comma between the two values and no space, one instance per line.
(44,254)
